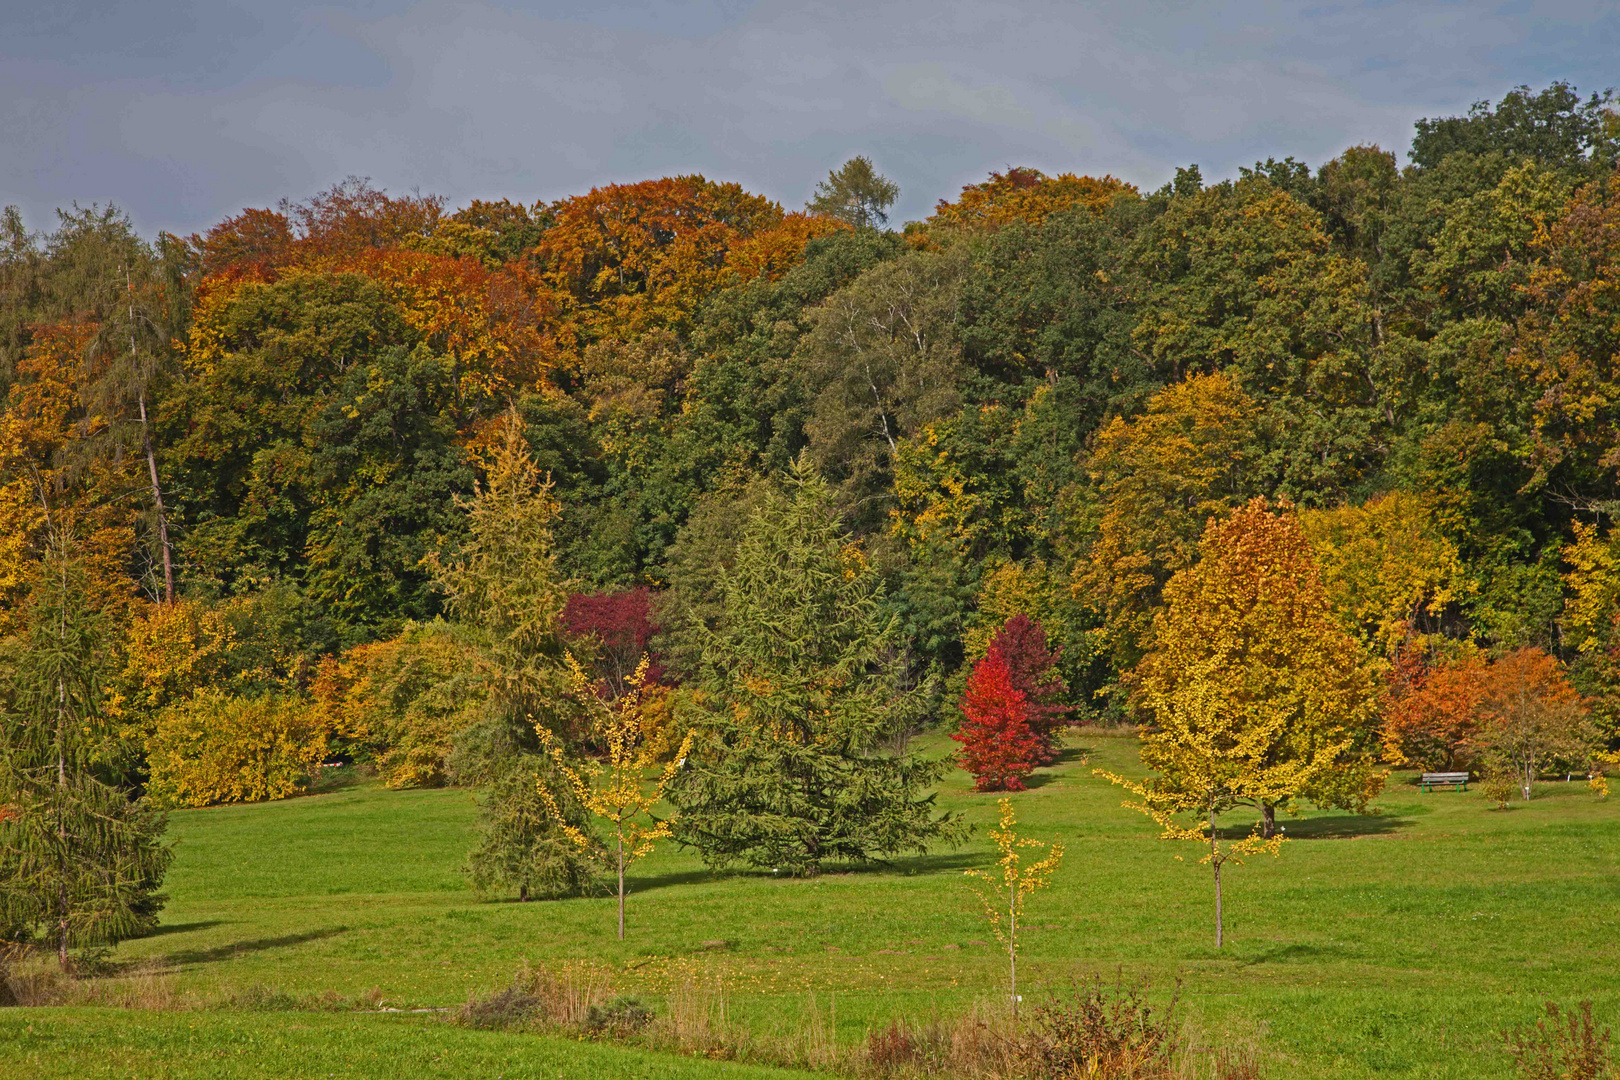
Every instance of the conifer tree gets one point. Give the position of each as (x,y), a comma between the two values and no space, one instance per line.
(507,598)
(791,765)
(80,861)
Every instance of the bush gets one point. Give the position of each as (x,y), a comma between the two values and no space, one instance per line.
(1562,1046)
(1109,1034)
(508,1008)
(216,748)
(621,1016)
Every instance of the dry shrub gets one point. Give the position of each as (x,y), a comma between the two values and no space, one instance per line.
(620,1017)
(1562,1046)
(983,1042)
(1106,1033)
(567,996)
(890,1049)
(505,1009)
(30,978)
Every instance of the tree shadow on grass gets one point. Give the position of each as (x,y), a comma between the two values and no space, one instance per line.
(239,948)
(1298,953)
(636,883)
(1343,826)
(166,929)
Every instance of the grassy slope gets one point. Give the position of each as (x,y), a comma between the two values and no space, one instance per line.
(1380,946)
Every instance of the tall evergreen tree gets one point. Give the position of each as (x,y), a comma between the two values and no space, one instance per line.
(507,600)
(80,861)
(793,763)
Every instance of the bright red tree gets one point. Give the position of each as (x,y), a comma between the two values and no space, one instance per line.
(1021,644)
(998,746)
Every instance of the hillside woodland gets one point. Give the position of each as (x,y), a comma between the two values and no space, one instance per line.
(1330,453)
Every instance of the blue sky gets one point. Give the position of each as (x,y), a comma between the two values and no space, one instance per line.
(185,112)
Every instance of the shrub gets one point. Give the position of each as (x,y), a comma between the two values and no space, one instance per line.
(216,748)
(507,1008)
(1021,643)
(1561,1046)
(1106,1033)
(621,1016)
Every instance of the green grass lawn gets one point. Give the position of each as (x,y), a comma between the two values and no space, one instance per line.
(1391,945)
(106,1044)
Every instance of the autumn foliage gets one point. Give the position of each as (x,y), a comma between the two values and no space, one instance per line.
(999,747)
(1032,668)
(1431,712)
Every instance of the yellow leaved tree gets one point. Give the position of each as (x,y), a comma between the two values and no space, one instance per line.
(1011,885)
(1259,696)
(1210,759)
(616,789)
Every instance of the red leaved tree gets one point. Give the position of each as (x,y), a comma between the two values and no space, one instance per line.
(1021,644)
(998,746)
(619,627)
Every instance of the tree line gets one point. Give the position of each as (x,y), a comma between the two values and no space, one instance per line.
(1324,455)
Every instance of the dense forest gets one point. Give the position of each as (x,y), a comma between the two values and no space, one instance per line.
(366,478)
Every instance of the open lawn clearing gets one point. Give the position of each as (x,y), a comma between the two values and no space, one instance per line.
(89,1044)
(1390,945)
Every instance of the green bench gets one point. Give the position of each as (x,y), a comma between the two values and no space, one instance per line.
(1432,780)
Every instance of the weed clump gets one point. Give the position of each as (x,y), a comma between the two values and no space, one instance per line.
(507,1008)
(1563,1045)
(1102,1032)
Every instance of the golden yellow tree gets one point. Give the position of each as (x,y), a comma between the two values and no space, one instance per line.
(1211,758)
(1011,885)
(616,789)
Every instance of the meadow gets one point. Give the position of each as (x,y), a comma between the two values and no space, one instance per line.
(1396,944)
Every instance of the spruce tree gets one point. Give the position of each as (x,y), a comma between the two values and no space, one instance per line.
(792,764)
(80,861)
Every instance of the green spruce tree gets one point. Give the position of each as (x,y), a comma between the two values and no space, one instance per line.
(795,761)
(80,860)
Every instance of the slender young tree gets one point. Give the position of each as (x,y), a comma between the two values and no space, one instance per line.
(793,762)
(1211,759)
(1010,889)
(80,860)
(616,789)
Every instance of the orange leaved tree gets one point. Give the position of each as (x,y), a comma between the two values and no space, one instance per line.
(1531,717)
(1253,614)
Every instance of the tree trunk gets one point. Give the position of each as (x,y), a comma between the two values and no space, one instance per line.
(1268,820)
(1012,942)
(1215,863)
(157,505)
(621,886)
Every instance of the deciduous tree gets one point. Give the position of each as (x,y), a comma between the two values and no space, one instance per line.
(1294,696)
(616,789)
(999,747)
(1532,717)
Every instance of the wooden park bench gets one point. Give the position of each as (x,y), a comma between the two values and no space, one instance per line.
(1432,780)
